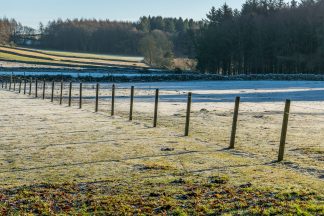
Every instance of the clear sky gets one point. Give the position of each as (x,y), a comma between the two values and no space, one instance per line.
(31,12)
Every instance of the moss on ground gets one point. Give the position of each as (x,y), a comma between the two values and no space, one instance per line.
(183,196)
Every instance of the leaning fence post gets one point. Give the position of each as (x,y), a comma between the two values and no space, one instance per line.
(113,100)
(80,100)
(25,82)
(20,86)
(61,93)
(234,125)
(52,95)
(284,131)
(44,86)
(131,104)
(70,94)
(188,114)
(97,97)
(156,107)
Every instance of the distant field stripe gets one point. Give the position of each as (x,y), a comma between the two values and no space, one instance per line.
(89,56)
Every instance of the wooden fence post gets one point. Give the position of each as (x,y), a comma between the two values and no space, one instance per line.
(156,107)
(97,98)
(61,93)
(188,114)
(80,100)
(234,124)
(36,88)
(131,104)
(10,85)
(284,131)
(70,94)
(20,86)
(113,100)
(52,94)
(30,85)
(14,81)
(6,84)
(25,82)
(44,86)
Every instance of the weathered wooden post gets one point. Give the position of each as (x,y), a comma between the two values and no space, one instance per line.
(14,81)
(61,93)
(131,104)
(188,114)
(52,94)
(44,86)
(36,88)
(20,86)
(97,98)
(113,100)
(234,124)
(6,84)
(284,131)
(10,85)
(80,99)
(25,83)
(156,107)
(70,94)
(30,85)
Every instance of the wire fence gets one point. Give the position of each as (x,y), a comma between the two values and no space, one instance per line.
(259,125)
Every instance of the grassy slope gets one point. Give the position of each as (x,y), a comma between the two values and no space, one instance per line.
(70,161)
(68,59)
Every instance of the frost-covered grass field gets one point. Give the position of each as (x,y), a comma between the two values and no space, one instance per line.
(59,159)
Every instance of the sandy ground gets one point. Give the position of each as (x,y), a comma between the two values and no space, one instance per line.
(41,141)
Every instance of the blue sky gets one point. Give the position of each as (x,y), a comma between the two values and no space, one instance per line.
(31,12)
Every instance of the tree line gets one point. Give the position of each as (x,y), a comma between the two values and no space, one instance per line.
(11,31)
(265,36)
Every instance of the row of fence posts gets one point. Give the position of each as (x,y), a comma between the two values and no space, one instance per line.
(155,117)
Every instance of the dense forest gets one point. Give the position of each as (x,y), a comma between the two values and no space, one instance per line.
(117,37)
(265,36)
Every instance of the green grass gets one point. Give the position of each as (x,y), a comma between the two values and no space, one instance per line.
(181,196)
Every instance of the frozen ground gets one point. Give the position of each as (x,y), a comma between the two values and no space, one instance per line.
(41,141)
